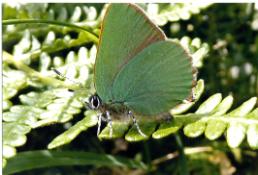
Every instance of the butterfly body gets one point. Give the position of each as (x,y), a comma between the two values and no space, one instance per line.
(116,109)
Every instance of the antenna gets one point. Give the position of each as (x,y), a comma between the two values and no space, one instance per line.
(86,104)
(65,77)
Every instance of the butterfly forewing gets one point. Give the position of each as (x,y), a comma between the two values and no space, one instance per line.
(126,31)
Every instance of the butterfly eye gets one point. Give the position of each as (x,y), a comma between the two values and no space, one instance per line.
(95,102)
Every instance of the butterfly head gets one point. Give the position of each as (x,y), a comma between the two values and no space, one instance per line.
(94,102)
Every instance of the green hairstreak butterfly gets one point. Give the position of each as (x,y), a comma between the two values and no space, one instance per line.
(138,70)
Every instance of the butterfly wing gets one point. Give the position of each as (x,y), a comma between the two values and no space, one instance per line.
(155,80)
(125,32)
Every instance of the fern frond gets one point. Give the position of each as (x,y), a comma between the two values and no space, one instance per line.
(161,14)
(210,119)
(38,108)
(81,15)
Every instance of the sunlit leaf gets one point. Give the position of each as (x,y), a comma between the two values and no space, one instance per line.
(42,159)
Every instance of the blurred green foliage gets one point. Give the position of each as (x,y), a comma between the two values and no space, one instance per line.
(231,32)
(223,40)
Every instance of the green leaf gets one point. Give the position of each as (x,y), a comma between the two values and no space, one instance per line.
(215,128)
(146,127)
(119,129)
(252,131)
(59,12)
(42,159)
(64,43)
(8,151)
(13,81)
(23,114)
(235,134)
(253,114)
(40,100)
(252,135)
(166,129)
(35,116)
(194,129)
(164,13)
(66,137)
(209,104)
(55,105)
(244,109)
(224,106)
(14,133)
(7,104)
(196,49)
(67,104)
(211,119)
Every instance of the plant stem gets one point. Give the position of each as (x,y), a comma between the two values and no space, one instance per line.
(183,169)
(91,35)
(186,118)
(34,74)
(187,151)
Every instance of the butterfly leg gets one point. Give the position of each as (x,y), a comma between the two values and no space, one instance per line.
(136,124)
(99,123)
(109,120)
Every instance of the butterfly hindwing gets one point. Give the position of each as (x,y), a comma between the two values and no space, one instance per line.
(155,80)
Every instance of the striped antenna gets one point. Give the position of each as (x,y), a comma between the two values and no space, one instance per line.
(65,77)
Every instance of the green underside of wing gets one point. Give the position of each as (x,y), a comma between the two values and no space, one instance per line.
(156,80)
(126,31)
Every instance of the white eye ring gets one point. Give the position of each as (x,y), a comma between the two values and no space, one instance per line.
(95,102)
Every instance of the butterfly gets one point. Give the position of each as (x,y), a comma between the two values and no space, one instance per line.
(138,71)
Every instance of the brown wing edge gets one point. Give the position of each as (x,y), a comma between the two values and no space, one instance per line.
(99,43)
(190,97)
(156,27)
